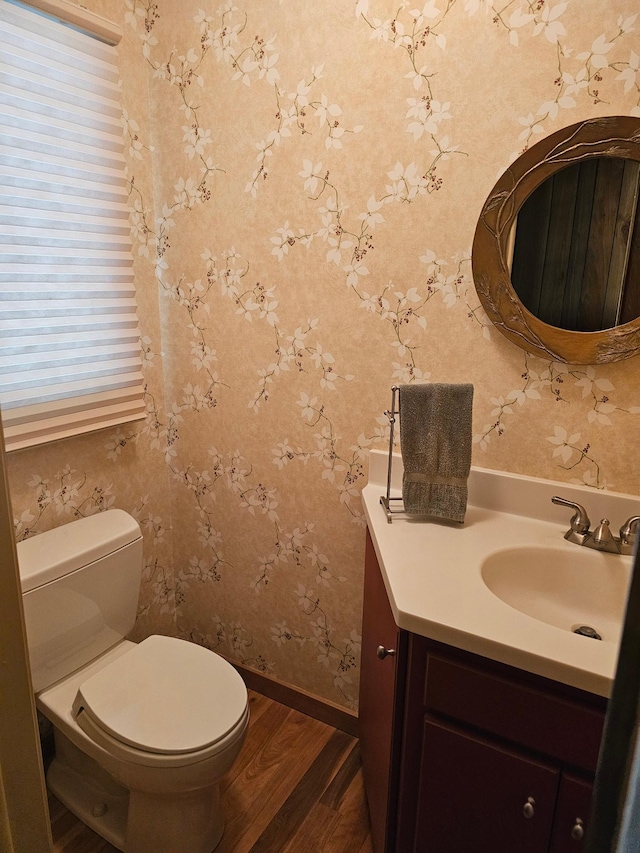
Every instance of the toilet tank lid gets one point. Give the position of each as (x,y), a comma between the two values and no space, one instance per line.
(55,553)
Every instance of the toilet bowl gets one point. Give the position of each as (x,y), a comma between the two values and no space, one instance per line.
(143,732)
(163,793)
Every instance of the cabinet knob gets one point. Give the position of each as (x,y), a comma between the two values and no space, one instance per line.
(528,810)
(383,653)
(577,833)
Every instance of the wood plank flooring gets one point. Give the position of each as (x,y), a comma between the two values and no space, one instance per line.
(296,786)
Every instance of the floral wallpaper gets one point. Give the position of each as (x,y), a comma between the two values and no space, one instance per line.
(305,183)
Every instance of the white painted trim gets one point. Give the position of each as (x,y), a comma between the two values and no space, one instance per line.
(24,816)
(79,16)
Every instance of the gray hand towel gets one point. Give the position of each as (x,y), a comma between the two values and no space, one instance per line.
(435,442)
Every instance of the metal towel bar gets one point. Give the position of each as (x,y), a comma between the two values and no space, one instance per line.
(386,499)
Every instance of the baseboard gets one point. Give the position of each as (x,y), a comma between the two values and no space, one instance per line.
(299,700)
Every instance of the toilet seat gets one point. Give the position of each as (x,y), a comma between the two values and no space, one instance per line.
(164,697)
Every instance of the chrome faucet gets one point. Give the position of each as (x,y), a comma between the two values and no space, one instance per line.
(601,539)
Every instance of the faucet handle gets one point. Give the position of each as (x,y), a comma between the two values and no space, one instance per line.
(580,522)
(628,533)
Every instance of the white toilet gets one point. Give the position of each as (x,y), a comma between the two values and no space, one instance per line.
(143,732)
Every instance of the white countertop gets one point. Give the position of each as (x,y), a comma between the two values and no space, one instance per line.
(432,570)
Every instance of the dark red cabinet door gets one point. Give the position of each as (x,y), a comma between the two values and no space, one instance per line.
(378,681)
(572,814)
(479,797)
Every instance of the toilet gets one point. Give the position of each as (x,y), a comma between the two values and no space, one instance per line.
(143,731)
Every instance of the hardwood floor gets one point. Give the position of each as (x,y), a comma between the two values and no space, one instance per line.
(296,786)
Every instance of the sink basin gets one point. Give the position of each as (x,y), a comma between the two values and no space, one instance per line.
(564,588)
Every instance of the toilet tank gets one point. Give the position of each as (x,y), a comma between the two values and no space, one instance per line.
(80,586)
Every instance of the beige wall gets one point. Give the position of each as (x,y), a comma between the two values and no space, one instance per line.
(317,177)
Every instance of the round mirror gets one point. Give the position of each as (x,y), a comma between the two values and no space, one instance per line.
(556,253)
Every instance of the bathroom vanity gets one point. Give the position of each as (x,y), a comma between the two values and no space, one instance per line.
(463,753)
(480,724)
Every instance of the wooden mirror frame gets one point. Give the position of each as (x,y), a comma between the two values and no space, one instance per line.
(611,136)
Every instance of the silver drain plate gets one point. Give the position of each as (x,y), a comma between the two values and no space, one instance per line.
(586,631)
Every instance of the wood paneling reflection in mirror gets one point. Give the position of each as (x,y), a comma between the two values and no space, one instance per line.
(556,254)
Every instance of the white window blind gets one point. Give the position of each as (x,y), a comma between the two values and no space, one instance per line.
(69,336)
